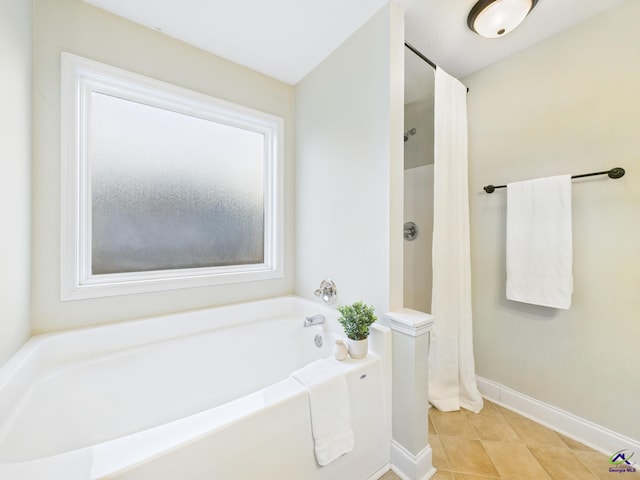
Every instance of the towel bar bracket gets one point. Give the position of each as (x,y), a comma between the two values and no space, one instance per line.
(616,172)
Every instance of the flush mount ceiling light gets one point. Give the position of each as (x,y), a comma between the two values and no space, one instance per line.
(495,18)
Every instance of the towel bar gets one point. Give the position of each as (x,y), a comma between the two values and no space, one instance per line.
(613,173)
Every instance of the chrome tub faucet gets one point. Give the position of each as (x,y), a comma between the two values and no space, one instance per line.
(311,320)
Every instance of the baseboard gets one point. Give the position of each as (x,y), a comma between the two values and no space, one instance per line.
(588,433)
(411,467)
(381,472)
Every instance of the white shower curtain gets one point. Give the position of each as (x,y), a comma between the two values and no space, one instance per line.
(452,381)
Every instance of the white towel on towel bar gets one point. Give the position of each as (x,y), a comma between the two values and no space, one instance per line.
(330,410)
(539,242)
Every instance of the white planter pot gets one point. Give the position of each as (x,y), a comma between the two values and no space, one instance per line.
(358,348)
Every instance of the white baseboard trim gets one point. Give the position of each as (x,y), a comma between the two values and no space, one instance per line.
(380,473)
(411,467)
(588,433)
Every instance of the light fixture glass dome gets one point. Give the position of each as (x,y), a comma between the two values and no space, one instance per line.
(495,18)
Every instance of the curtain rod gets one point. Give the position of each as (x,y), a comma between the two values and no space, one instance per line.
(613,173)
(419,54)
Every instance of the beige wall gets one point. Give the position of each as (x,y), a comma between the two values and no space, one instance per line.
(76,27)
(349,167)
(568,105)
(15,174)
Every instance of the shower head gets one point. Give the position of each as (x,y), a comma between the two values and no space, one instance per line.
(409,132)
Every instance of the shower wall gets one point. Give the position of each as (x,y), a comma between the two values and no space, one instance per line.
(418,149)
(418,208)
(418,203)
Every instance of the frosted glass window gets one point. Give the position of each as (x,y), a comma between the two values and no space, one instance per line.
(164,187)
(169,190)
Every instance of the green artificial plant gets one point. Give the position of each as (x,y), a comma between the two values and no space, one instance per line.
(356,319)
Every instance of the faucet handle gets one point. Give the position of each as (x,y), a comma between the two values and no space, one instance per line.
(327,291)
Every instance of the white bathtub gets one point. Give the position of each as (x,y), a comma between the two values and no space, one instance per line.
(198,395)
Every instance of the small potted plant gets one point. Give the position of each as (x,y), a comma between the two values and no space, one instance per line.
(356,320)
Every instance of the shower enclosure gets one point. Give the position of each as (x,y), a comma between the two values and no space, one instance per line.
(418,181)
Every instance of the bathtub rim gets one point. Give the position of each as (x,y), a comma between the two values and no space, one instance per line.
(33,359)
(44,353)
(42,347)
(114,456)
(281,392)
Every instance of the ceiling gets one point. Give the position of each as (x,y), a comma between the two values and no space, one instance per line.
(286,39)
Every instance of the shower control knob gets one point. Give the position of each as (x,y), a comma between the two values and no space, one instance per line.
(410,231)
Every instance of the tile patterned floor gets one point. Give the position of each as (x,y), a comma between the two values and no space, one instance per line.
(500,444)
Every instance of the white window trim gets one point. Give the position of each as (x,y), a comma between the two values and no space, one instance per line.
(80,77)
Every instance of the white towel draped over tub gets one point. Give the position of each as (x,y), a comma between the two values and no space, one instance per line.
(539,242)
(330,411)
